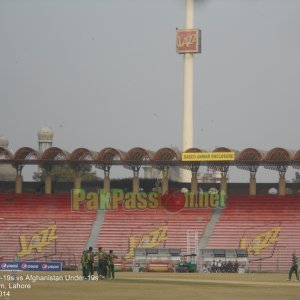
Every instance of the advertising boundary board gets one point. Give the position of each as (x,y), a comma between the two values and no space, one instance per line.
(30,266)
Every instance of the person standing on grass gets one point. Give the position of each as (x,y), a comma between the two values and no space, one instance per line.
(106,267)
(111,265)
(90,262)
(101,263)
(84,265)
(294,268)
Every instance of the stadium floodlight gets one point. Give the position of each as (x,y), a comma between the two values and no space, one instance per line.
(188,43)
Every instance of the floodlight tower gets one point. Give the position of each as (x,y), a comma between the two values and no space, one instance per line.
(188,43)
(187,138)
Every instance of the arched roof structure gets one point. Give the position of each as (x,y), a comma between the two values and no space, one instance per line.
(138,154)
(297,155)
(251,155)
(166,154)
(278,159)
(82,154)
(297,159)
(279,155)
(5,153)
(108,155)
(249,159)
(26,153)
(55,153)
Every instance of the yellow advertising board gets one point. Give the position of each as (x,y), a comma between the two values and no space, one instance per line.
(208,156)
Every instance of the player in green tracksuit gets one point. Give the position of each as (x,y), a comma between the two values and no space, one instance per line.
(294,267)
(102,265)
(84,265)
(111,266)
(90,262)
(105,268)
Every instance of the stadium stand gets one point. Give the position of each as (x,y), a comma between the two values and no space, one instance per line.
(267,226)
(43,227)
(125,229)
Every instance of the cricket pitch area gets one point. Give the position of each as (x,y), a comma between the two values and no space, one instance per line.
(167,286)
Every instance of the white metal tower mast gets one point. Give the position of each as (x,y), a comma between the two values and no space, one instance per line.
(187,139)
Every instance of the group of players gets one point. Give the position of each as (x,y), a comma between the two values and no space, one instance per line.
(105,268)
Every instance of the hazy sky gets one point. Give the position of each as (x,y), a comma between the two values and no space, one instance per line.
(105,73)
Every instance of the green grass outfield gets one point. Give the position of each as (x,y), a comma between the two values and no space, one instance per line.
(153,286)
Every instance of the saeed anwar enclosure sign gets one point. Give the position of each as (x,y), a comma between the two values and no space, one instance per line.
(208,156)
